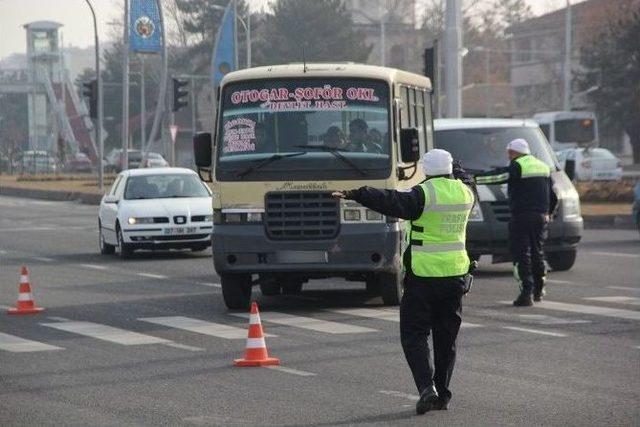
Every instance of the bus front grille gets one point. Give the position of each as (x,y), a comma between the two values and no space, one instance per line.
(301,215)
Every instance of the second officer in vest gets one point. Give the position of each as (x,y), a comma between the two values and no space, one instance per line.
(436,265)
(531,201)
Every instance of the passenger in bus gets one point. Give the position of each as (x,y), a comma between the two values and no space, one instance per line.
(334,138)
(359,138)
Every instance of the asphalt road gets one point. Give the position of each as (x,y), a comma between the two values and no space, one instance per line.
(147,341)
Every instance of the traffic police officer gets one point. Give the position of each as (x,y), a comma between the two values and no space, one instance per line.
(532,201)
(436,266)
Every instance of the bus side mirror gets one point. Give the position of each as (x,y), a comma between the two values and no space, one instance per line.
(202,154)
(409,145)
(570,168)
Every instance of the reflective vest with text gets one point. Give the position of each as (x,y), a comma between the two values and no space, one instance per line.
(531,167)
(438,236)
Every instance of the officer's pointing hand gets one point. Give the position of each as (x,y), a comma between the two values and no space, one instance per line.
(339,194)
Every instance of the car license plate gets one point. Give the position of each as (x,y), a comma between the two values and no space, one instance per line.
(179,230)
(301,257)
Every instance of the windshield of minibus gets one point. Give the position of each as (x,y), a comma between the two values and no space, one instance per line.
(482,149)
(575,130)
(304,129)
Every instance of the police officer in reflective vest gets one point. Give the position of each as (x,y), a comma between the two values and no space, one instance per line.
(532,201)
(436,266)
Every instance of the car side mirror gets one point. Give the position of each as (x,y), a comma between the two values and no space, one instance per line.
(409,145)
(570,168)
(202,155)
(110,199)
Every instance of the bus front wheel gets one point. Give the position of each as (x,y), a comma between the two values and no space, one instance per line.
(390,287)
(236,290)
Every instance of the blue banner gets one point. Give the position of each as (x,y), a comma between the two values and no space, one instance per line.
(224,51)
(145,27)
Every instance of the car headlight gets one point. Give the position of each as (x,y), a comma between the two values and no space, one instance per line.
(133,220)
(476,213)
(208,218)
(570,208)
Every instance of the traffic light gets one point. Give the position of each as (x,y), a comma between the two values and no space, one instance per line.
(430,63)
(90,91)
(179,96)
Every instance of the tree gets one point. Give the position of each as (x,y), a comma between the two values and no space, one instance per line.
(14,135)
(612,64)
(323,28)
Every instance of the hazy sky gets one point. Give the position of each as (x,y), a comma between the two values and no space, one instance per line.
(78,26)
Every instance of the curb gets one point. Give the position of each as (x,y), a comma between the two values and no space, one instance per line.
(620,222)
(55,195)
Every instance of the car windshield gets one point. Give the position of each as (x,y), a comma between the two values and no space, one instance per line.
(575,130)
(267,118)
(164,186)
(485,148)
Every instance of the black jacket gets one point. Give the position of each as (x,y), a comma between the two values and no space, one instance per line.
(529,195)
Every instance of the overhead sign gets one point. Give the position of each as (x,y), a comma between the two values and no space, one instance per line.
(145,27)
(173,129)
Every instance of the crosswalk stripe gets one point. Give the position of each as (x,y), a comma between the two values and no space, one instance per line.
(106,333)
(308,323)
(93,266)
(292,371)
(21,345)
(413,397)
(386,314)
(543,319)
(624,288)
(586,309)
(152,276)
(619,299)
(534,331)
(618,254)
(199,326)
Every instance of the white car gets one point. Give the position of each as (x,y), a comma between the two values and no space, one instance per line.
(592,164)
(153,160)
(160,208)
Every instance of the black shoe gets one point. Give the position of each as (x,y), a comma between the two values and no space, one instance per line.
(428,399)
(441,405)
(523,300)
(538,293)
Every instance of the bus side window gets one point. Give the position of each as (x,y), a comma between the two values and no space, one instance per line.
(428,120)
(420,123)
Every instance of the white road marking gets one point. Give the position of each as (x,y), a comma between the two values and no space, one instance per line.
(618,254)
(152,276)
(5,307)
(27,229)
(624,288)
(199,326)
(2,252)
(622,300)
(388,314)
(20,345)
(638,347)
(413,397)
(291,371)
(211,285)
(183,346)
(534,331)
(561,282)
(308,323)
(58,319)
(543,319)
(41,258)
(93,266)
(106,333)
(586,309)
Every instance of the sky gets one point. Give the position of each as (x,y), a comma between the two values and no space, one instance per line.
(78,24)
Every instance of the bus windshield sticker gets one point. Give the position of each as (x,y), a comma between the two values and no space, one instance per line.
(239,136)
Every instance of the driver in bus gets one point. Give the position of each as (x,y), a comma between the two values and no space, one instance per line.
(359,139)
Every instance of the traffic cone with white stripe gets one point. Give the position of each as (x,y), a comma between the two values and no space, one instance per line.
(255,353)
(26,304)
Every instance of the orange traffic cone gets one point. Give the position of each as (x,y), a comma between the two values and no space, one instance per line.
(255,353)
(26,304)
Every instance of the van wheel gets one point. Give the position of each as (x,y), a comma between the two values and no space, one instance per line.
(562,260)
(390,285)
(236,290)
(372,285)
(291,287)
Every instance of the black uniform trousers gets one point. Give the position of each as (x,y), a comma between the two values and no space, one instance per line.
(527,232)
(431,305)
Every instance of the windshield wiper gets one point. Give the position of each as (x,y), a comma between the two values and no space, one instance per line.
(264,162)
(337,153)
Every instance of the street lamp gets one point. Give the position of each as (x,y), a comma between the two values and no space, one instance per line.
(100,98)
(247,30)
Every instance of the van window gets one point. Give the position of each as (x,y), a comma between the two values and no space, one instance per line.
(485,148)
(545,130)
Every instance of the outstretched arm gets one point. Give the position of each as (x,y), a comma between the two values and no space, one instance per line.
(499,175)
(405,205)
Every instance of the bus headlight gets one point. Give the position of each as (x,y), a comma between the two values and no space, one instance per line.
(373,215)
(351,214)
(476,213)
(254,216)
(570,208)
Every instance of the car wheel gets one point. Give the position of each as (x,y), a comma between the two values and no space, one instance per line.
(390,285)
(291,287)
(105,248)
(236,290)
(125,248)
(561,260)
